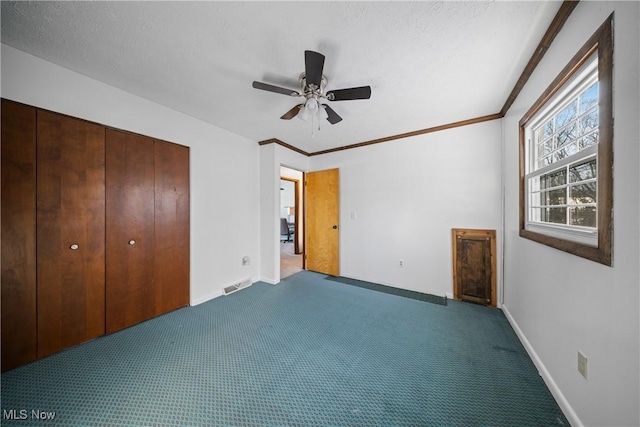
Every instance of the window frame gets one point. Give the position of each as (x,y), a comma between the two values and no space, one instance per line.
(600,43)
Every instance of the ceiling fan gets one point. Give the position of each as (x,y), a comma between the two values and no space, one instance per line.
(312,86)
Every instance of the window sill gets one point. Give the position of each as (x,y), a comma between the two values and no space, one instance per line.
(587,237)
(597,254)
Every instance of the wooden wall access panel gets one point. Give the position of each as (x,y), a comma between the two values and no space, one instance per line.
(474,270)
(130,190)
(171,226)
(70,201)
(18,234)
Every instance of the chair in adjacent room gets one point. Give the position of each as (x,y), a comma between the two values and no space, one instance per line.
(285,231)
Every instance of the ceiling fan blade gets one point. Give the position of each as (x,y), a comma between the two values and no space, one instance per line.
(362,92)
(292,113)
(276,89)
(314,64)
(332,116)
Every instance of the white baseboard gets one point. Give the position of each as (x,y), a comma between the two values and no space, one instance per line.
(269,281)
(449,295)
(207,297)
(217,293)
(568,411)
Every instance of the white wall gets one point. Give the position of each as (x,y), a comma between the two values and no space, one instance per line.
(272,157)
(561,303)
(407,195)
(225,203)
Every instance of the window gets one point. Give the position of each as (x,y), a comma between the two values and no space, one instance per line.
(566,156)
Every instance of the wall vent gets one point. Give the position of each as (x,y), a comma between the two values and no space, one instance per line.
(228,290)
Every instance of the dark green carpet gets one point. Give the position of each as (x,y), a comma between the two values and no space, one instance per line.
(306,352)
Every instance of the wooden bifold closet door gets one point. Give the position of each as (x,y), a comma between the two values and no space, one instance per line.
(171,226)
(18,234)
(147,228)
(95,231)
(70,231)
(130,229)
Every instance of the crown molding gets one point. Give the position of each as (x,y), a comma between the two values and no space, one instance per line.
(285,145)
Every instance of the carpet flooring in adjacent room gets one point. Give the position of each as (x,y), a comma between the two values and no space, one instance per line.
(306,352)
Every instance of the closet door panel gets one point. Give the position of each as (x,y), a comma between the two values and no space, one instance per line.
(18,234)
(130,229)
(172,226)
(70,231)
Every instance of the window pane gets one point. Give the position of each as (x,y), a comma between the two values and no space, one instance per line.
(567,115)
(582,194)
(553,179)
(545,161)
(584,216)
(589,121)
(583,171)
(589,98)
(554,197)
(561,154)
(590,139)
(545,147)
(547,129)
(554,215)
(567,135)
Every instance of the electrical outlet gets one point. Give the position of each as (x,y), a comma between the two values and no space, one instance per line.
(401,263)
(582,364)
(246,260)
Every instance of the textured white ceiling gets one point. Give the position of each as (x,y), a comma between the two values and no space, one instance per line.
(428,63)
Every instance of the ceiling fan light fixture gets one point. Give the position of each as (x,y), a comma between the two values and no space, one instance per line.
(322,113)
(311,105)
(304,114)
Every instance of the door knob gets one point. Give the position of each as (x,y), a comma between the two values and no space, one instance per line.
(73,247)
(335,227)
(132,242)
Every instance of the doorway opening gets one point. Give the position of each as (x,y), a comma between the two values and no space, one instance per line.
(291,222)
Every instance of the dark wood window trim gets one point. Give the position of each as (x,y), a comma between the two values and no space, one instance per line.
(602,43)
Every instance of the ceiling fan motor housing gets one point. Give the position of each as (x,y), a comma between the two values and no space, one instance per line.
(310,91)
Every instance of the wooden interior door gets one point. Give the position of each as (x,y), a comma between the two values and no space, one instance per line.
(18,234)
(322,236)
(130,292)
(474,268)
(70,231)
(171,226)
